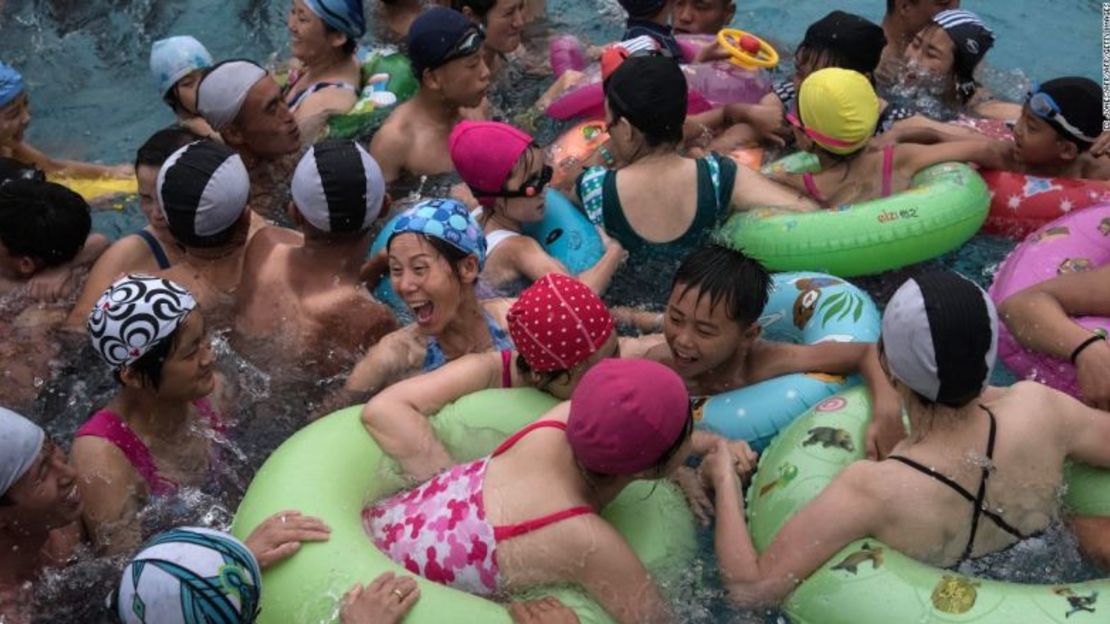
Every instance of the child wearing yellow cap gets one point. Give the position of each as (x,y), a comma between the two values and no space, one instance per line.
(835,118)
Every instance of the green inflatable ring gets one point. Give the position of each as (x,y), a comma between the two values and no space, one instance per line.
(944,207)
(365,118)
(333,467)
(868,582)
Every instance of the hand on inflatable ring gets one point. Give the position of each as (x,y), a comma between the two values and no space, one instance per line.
(746,50)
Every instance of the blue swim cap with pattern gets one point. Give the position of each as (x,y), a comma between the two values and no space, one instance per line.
(11,84)
(445,219)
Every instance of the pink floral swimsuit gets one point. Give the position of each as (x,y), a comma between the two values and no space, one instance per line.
(439,530)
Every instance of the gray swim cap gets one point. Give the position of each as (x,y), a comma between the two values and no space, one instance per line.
(940,337)
(20,443)
(223,90)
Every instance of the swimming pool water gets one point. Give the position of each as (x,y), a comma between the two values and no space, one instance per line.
(85,62)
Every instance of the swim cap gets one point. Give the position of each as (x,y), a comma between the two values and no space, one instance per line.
(971,37)
(839,109)
(650,91)
(940,337)
(1080,102)
(439,36)
(338,187)
(342,15)
(558,322)
(20,443)
(614,55)
(203,190)
(190,575)
(449,221)
(134,314)
(625,414)
(174,58)
(223,90)
(858,41)
(643,8)
(484,154)
(11,84)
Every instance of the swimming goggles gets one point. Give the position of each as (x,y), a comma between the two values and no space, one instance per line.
(532,186)
(823,139)
(469,44)
(1042,105)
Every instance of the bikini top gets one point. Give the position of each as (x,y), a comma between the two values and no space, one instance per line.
(979,507)
(888,179)
(299,98)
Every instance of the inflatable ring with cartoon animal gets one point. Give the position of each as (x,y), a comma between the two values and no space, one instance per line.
(804,308)
(1075,243)
(868,582)
(943,208)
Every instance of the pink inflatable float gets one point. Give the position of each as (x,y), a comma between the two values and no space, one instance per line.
(710,84)
(1077,242)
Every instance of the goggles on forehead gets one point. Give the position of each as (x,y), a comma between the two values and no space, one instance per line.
(1042,105)
(469,44)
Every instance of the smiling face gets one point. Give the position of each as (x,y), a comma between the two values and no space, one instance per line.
(702,336)
(309,38)
(427,283)
(704,17)
(265,126)
(46,496)
(14,119)
(1038,143)
(504,24)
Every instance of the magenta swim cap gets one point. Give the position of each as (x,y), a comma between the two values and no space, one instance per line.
(484,154)
(625,414)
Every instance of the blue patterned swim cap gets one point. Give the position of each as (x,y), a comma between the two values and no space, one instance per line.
(11,84)
(190,576)
(173,58)
(449,221)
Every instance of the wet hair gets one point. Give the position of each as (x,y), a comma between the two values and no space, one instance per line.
(650,92)
(842,40)
(162,144)
(349,46)
(43,220)
(481,8)
(149,366)
(727,275)
(452,254)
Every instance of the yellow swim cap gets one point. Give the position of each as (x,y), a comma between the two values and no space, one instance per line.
(839,109)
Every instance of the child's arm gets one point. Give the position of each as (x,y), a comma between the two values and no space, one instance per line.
(752,189)
(910,159)
(532,262)
(921,129)
(58,282)
(25,153)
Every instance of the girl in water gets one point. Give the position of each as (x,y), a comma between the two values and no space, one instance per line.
(156,434)
(178,64)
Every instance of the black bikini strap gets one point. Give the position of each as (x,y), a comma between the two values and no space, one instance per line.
(959,489)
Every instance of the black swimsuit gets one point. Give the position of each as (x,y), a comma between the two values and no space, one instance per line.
(980,509)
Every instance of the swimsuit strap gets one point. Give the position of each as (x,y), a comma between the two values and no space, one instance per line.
(108,425)
(509,531)
(434,357)
(506,368)
(811,188)
(209,413)
(155,248)
(513,439)
(496,237)
(298,99)
(888,172)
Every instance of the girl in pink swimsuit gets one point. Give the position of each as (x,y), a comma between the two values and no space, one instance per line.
(526,514)
(156,433)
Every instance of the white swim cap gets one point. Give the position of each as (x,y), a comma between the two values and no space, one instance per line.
(940,337)
(338,187)
(223,90)
(20,443)
(203,190)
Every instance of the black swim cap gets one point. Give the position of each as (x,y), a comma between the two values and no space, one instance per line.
(857,41)
(643,8)
(1080,102)
(650,92)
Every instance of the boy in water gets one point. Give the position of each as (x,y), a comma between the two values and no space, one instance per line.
(284,310)
(702,17)
(444,47)
(712,339)
(15,117)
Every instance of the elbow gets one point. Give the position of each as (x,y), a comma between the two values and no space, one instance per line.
(372,417)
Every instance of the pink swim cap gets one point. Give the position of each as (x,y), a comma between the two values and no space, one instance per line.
(625,414)
(484,154)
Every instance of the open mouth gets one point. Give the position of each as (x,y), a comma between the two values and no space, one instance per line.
(422,311)
(684,361)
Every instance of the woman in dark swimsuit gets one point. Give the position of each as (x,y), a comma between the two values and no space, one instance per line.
(323,35)
(982,468)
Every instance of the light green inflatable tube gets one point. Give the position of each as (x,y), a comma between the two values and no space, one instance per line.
(868,582)
(332,468)
(944,207)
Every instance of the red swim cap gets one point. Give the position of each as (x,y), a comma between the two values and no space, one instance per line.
(625,414)
(558,322)
(484,154)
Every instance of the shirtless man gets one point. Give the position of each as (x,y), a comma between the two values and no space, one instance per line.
(902,21)
(39,509)
(44,247)
(202,191)
(244,104)
(285,311)
(445,48)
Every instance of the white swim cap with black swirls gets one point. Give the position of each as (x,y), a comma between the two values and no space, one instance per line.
(134,314)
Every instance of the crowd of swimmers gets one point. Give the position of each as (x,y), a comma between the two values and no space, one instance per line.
(259,230)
